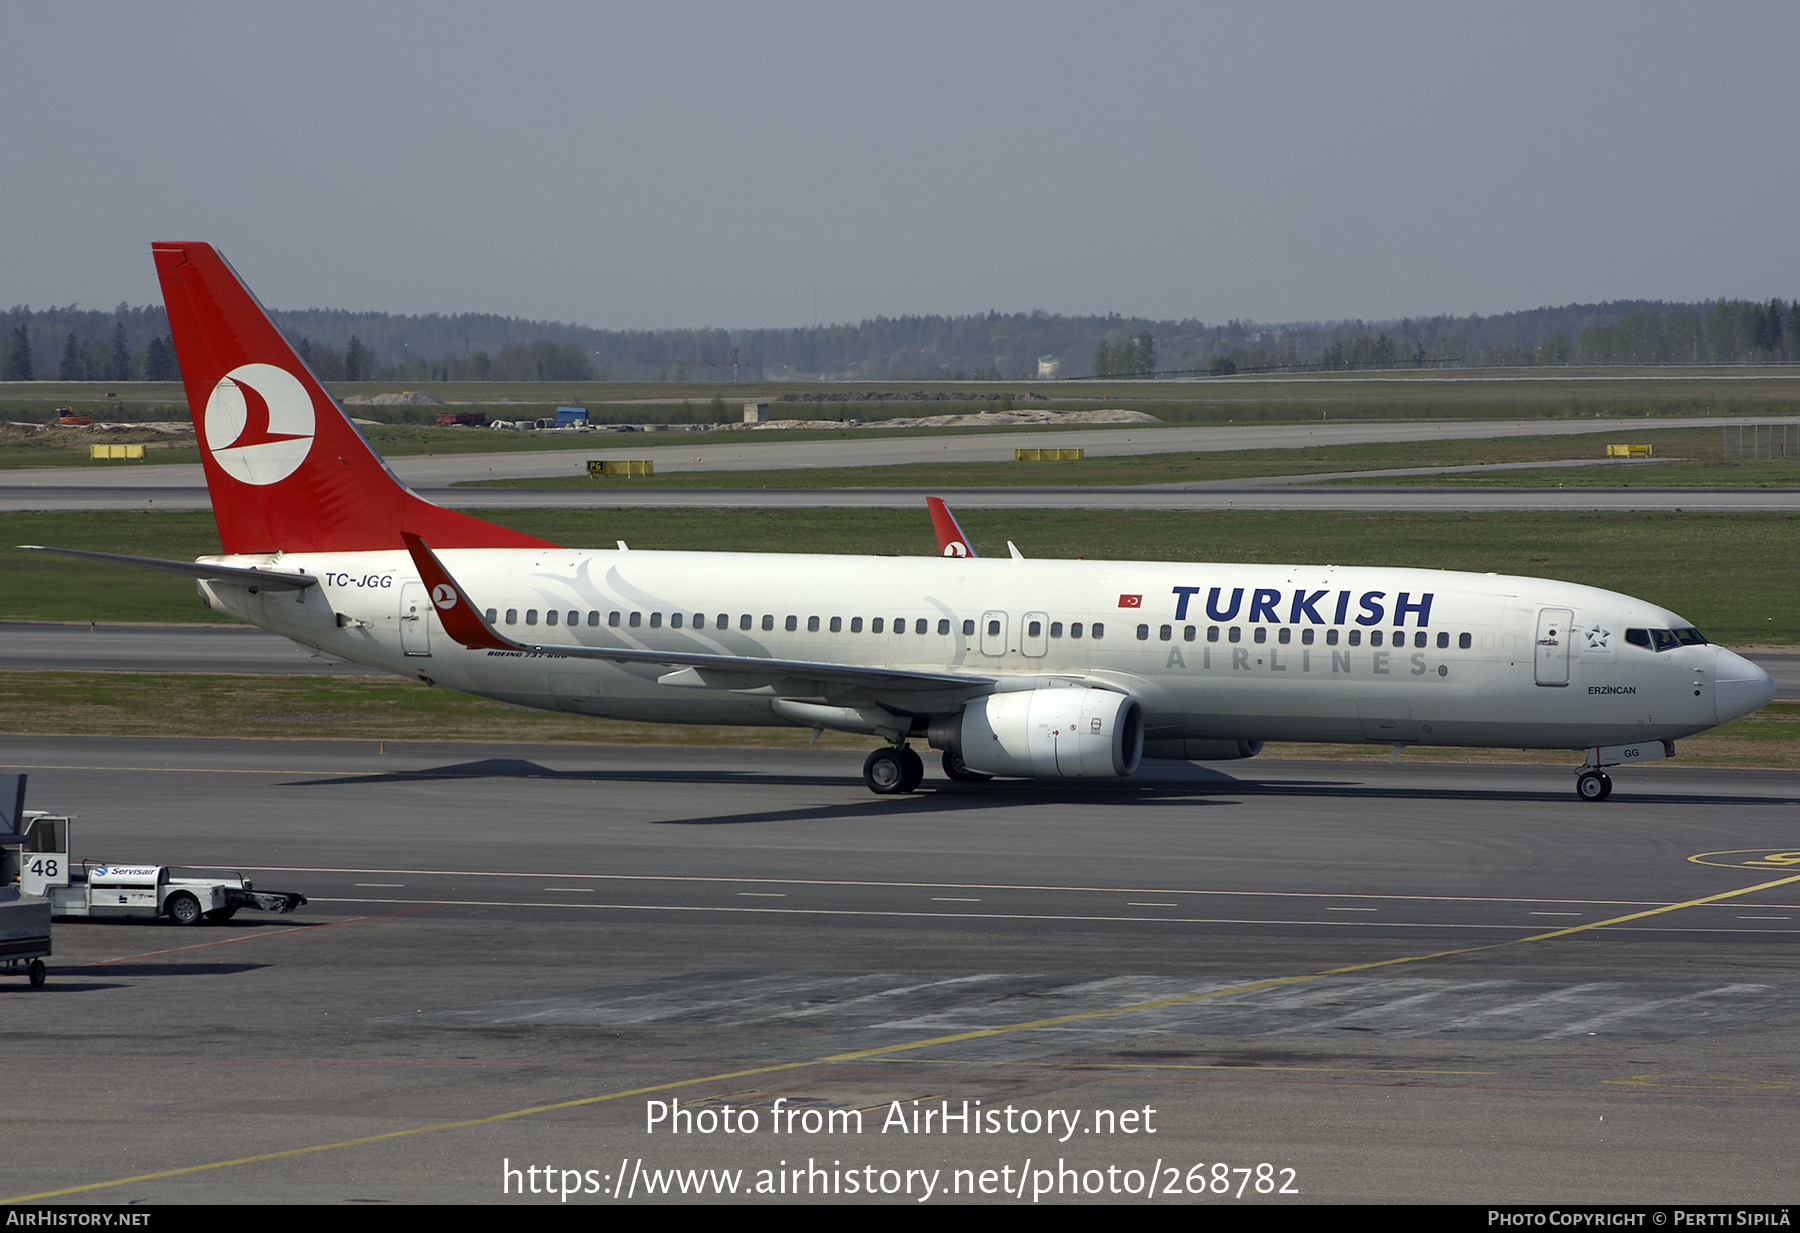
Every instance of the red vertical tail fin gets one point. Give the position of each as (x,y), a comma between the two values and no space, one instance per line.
(951,540)
(287,470)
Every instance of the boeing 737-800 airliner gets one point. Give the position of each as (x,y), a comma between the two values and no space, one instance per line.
(1010,667)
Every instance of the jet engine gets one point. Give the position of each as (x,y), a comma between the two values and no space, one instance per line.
(1075,733)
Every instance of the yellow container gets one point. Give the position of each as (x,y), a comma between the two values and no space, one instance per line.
(1038,455)
(1628,451)
(115,451)
(626,466)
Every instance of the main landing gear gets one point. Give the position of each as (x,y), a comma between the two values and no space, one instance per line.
(894,769)
(1593,785)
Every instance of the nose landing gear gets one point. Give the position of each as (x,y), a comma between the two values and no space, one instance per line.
(893,770)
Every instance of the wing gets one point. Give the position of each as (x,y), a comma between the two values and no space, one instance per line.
(463,621)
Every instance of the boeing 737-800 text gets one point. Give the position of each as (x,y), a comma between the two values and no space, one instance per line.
(1011,667)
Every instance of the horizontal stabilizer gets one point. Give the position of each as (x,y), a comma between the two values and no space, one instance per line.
(255,579)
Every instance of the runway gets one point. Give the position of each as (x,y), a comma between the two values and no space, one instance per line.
(1397,983)
(1244,497)
(433,476)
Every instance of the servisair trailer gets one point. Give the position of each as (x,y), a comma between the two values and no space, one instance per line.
(110,889)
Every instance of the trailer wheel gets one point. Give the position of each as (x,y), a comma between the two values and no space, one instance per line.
(35,973)
(221,915)
(184,909)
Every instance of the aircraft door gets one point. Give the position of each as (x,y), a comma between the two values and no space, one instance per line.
(1034,636)
(415,623)
(993,633)
(1555,635)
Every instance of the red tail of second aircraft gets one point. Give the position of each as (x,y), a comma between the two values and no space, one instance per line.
(287,470)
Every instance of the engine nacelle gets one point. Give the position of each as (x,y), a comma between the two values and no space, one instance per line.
(1202,751)
(1049,734)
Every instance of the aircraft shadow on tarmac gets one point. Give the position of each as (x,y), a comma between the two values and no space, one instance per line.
(1184,785)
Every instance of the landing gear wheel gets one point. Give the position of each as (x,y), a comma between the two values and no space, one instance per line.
(915,769)
(1593,786)
(184,909)
(885,772)
(35,973)
(954,769)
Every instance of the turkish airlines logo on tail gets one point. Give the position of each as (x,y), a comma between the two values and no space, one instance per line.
(444,595)
(956,548)
(259,424)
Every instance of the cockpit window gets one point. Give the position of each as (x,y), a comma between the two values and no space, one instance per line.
(1665,639)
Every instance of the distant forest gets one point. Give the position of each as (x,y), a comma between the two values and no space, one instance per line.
(132,344)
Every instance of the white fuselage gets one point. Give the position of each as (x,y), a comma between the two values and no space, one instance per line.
(1212,652)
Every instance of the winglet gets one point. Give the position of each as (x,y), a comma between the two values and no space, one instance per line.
(951,540)
(462,620)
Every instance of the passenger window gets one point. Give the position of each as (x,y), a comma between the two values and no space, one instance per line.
(1443,641)
(1056,629)
(1098,631)
(722,621)
(674,620)
(637,619)
(943,627)
(1187,633)
(1355,638)
(1143,633)
(1464,641)
(1234,634)
(876,625)
(1331,637)
(921,626)
(491,616)
(512,616)
(1262,634)
(993,629)
(1166,632)
(1075,629)
(550,617)
(1034,628)
(594,619)
(531,616)
(699,620)
(1419,639)
(1212,633)
(837,625)
(1284,635)
(856,625)
(744,621)
(899,625)
(612,619)
(812,625)
(1375,637)
(574,618)
(1306,636)
(792,624)
(768,622)
(968,629)
(656,620)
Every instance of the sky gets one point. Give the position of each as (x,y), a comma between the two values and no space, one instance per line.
(750,164)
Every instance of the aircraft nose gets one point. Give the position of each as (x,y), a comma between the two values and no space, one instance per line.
(1740,687)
